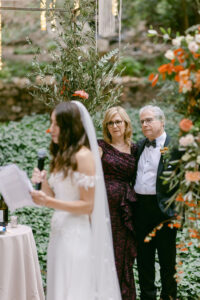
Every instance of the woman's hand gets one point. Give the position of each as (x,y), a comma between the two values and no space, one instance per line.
(38,176)
(39,197)
(100,151)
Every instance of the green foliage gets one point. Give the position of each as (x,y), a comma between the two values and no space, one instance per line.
(129,66)
(140,67)
(128,13)
(15,69)
(189,286)
(176,14)
(51,46)
(19,142)
(75,63)
(25,50)
(5,73)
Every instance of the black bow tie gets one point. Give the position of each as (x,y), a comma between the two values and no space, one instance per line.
(150,143)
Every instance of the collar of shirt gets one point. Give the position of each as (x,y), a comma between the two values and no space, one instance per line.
(160,141)
(148,166)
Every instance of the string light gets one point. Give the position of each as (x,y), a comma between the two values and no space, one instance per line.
(77,7)
(76,4)
(43,22)
(0,41)
(52,5)
(115,7)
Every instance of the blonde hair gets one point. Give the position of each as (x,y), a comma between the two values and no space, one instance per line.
(107,118)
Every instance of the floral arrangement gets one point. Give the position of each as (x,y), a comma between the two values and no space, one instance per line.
(182,66)
(182,70)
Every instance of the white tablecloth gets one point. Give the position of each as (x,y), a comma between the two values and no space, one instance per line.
(20,277)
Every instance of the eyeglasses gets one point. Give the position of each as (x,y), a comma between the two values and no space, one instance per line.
(147,121)
(117,123)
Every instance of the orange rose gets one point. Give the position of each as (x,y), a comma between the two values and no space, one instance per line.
(185,125)
(81,94)
(180,198)
(192,176)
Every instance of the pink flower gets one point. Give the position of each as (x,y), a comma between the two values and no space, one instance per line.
(186,140)
(192,176)
(81,94)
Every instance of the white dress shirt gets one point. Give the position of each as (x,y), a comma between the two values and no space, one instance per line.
(147,168)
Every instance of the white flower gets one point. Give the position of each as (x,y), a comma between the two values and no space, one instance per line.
(48,80)
(186,157)
(177,41)
(166,36)
(197,38)
(198,159)
(186,140)
(189,38)
(193,47)
(152,31)
(169,54)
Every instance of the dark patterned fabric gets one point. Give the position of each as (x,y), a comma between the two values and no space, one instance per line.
(119,171)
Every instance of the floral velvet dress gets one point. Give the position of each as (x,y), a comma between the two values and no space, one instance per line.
(119,170)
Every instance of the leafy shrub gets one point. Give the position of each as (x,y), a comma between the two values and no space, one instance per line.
(129,66)
(19,143)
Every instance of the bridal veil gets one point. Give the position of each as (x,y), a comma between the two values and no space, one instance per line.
(104,275)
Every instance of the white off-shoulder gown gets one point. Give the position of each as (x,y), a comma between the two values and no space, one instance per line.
(69,267)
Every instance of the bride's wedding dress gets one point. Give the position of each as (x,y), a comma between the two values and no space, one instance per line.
(81,263)
(69,271)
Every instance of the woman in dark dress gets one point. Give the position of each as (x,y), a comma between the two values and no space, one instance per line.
(118,159)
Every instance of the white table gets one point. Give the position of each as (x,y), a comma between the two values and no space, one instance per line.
(20,277)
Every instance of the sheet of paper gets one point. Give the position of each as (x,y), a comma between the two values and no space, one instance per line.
(15,187)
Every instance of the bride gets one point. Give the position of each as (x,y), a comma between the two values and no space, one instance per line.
(80,264)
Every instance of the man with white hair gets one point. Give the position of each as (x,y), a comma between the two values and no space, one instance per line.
(151,209)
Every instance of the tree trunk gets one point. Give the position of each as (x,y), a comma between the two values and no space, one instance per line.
(184,13)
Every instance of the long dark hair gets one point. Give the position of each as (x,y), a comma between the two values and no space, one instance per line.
(71,138)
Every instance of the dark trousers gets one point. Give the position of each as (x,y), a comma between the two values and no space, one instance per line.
(148,216)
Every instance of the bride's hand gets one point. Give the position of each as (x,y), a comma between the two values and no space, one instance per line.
(39,197)
(38,176)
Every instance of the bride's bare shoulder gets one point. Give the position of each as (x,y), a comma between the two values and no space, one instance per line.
(85,161)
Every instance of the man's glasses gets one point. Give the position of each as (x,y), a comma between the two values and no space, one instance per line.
(147,121)
(117,123)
